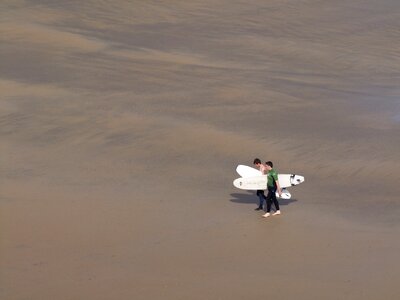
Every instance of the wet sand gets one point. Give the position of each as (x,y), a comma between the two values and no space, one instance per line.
(121,125)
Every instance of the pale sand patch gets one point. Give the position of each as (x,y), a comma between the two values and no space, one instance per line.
(381,121)
(179,58)
(15,89)
(98,236)
(48,38)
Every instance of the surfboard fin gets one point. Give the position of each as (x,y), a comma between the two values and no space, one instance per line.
(285,194)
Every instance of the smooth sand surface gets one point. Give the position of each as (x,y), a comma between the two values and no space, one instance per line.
(122,122)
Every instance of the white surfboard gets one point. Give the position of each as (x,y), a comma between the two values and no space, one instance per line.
(252,179)
(285,180)
(285,194)
(246,171)
(251,183)
(260,182)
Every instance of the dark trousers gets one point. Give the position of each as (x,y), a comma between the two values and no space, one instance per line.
(261,197)
(271,197)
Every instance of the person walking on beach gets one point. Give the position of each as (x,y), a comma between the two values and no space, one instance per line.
(273,186)
(260,193)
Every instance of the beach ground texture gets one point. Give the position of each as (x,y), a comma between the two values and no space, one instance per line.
(122,123)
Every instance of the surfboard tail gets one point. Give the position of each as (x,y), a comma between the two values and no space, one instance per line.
(285,194)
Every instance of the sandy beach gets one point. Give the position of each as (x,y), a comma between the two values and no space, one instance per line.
(122,123)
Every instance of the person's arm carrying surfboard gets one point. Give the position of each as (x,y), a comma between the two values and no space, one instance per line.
(278,187)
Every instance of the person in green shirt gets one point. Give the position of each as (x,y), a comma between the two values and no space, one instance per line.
(272,186)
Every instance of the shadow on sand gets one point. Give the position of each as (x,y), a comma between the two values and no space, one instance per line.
(252,198)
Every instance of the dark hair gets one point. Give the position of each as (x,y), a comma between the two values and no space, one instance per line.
(256,161)
(269,163)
